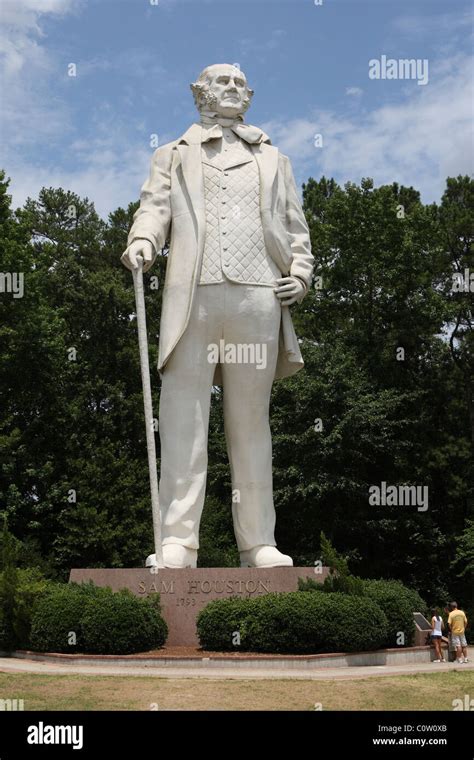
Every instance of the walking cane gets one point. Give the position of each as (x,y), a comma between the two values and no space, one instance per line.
(149,422)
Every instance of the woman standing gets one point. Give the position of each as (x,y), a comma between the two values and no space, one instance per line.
(437,626)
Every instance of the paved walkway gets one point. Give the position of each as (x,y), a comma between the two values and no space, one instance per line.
(13,665)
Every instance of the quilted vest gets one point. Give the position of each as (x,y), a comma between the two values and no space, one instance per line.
(234,246)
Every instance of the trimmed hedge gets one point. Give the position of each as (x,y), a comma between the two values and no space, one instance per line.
(56,620)
(293,622)
(30,586)
(398,603)
(122,624)
(3,633)
(398,611)
(86,618)
(220,620)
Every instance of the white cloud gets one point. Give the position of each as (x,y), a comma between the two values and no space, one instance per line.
(418,141)
(29,110)
(24,14)
(19,28)
(413,25)
(34,116)
(44,143)
(108,179)
(108,168)
(294,137)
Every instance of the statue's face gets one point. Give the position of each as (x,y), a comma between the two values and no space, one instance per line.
(228,88)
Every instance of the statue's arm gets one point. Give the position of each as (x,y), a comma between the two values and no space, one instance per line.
(151,221)
(298,232)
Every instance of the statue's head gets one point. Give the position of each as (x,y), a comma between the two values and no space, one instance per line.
(222,88)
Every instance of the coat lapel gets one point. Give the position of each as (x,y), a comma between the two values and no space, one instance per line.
(267,160)
(190,156)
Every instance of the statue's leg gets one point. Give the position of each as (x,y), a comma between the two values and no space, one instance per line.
(253,321)
(184,422)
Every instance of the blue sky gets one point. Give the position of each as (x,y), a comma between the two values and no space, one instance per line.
(307,63)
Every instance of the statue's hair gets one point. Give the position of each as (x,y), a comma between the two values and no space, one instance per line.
(204,98)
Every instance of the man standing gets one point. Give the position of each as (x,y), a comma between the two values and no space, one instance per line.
(239,256)
(457,623)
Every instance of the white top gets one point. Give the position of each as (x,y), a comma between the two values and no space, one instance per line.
(437,625)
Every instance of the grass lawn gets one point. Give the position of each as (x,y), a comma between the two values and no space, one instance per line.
(76,692)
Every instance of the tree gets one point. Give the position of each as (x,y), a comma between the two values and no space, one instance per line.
(456,223)
(464,564)
(375,402)
(386,394)
(8,589)
(74,476)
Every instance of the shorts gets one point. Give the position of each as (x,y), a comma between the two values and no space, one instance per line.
(458,640)
(436,635)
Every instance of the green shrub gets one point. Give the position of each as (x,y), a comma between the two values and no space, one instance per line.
(32,585)
(102,622)
(342,584)
(56,621)
(416,602)
(29,586)
(399,603)
(339,579)
(3,632)
(8,588)
(346,584)
(396,600)
(294,622)
(309,584)
(219,621)
(122,624)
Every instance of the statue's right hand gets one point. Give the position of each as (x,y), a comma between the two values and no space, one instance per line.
(139,247)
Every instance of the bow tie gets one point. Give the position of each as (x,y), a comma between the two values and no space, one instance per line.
(252,135)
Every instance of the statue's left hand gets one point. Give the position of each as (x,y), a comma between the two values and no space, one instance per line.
(289,290)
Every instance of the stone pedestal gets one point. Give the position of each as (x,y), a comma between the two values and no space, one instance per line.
(184,593)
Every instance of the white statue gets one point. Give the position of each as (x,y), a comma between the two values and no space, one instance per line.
(239,256)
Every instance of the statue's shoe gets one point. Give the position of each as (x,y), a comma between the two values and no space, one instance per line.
(175,556)
(264,556)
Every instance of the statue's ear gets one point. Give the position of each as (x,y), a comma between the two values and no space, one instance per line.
(196,89)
